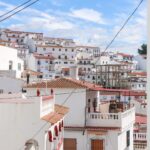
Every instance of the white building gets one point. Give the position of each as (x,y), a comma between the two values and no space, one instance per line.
(42,63)
(9,61)
(90,124)
(60,52)
(95,51)
(36,122)
(140,133)
(142,60)
(18,40)
(10,85)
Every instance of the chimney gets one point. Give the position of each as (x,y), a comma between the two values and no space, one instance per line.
(74,72)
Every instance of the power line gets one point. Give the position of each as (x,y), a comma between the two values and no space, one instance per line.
(18,11)
(51,117)
(99,57)
(122,27)
(15,8)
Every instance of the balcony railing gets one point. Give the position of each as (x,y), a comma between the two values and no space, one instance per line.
(140,146)
(120,120)
(140,136)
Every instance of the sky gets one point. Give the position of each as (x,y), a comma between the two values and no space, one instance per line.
(88,22)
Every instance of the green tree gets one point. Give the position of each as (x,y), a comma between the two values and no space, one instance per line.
(143,49)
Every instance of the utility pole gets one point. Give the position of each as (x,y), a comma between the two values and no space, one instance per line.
(148,78)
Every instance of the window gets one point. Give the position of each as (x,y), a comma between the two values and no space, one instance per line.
(10,65)
(66,50)
(1,91)
(51,62)
(60,49)
(65,57)
(128,138)
(19,66)
(38,62)
(44,49)
(46,68)
(59,57)
(53,49)
(65,62)
(72,50)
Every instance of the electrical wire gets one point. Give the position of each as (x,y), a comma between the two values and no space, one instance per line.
(51,117)
(18,11)
(15,8)
(99,57)
(122,27)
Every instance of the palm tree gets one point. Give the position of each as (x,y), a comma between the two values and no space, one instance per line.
(143,49)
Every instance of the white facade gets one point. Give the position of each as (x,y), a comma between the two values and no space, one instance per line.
(31,131)
(42,63)
(10,85)
(138,85)
(10,61)
(59,52)
(141,62)
(81,119)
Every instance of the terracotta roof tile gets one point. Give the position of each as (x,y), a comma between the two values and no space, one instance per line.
(134,93)
(31,72)
(57,115)
(52,117)
(66,83)
(138,74)
(141,119)
(125,55)
(61,109)
(92,128)
(40,56)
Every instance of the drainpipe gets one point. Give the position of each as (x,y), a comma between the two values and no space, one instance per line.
(85,115)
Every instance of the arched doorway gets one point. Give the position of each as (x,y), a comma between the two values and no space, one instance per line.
(31,145)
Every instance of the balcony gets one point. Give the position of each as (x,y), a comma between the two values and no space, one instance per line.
(118,120)
(140,146)
(140,136)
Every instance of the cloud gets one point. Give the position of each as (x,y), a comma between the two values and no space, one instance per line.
(57,2)
(89,15)
(86,26)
